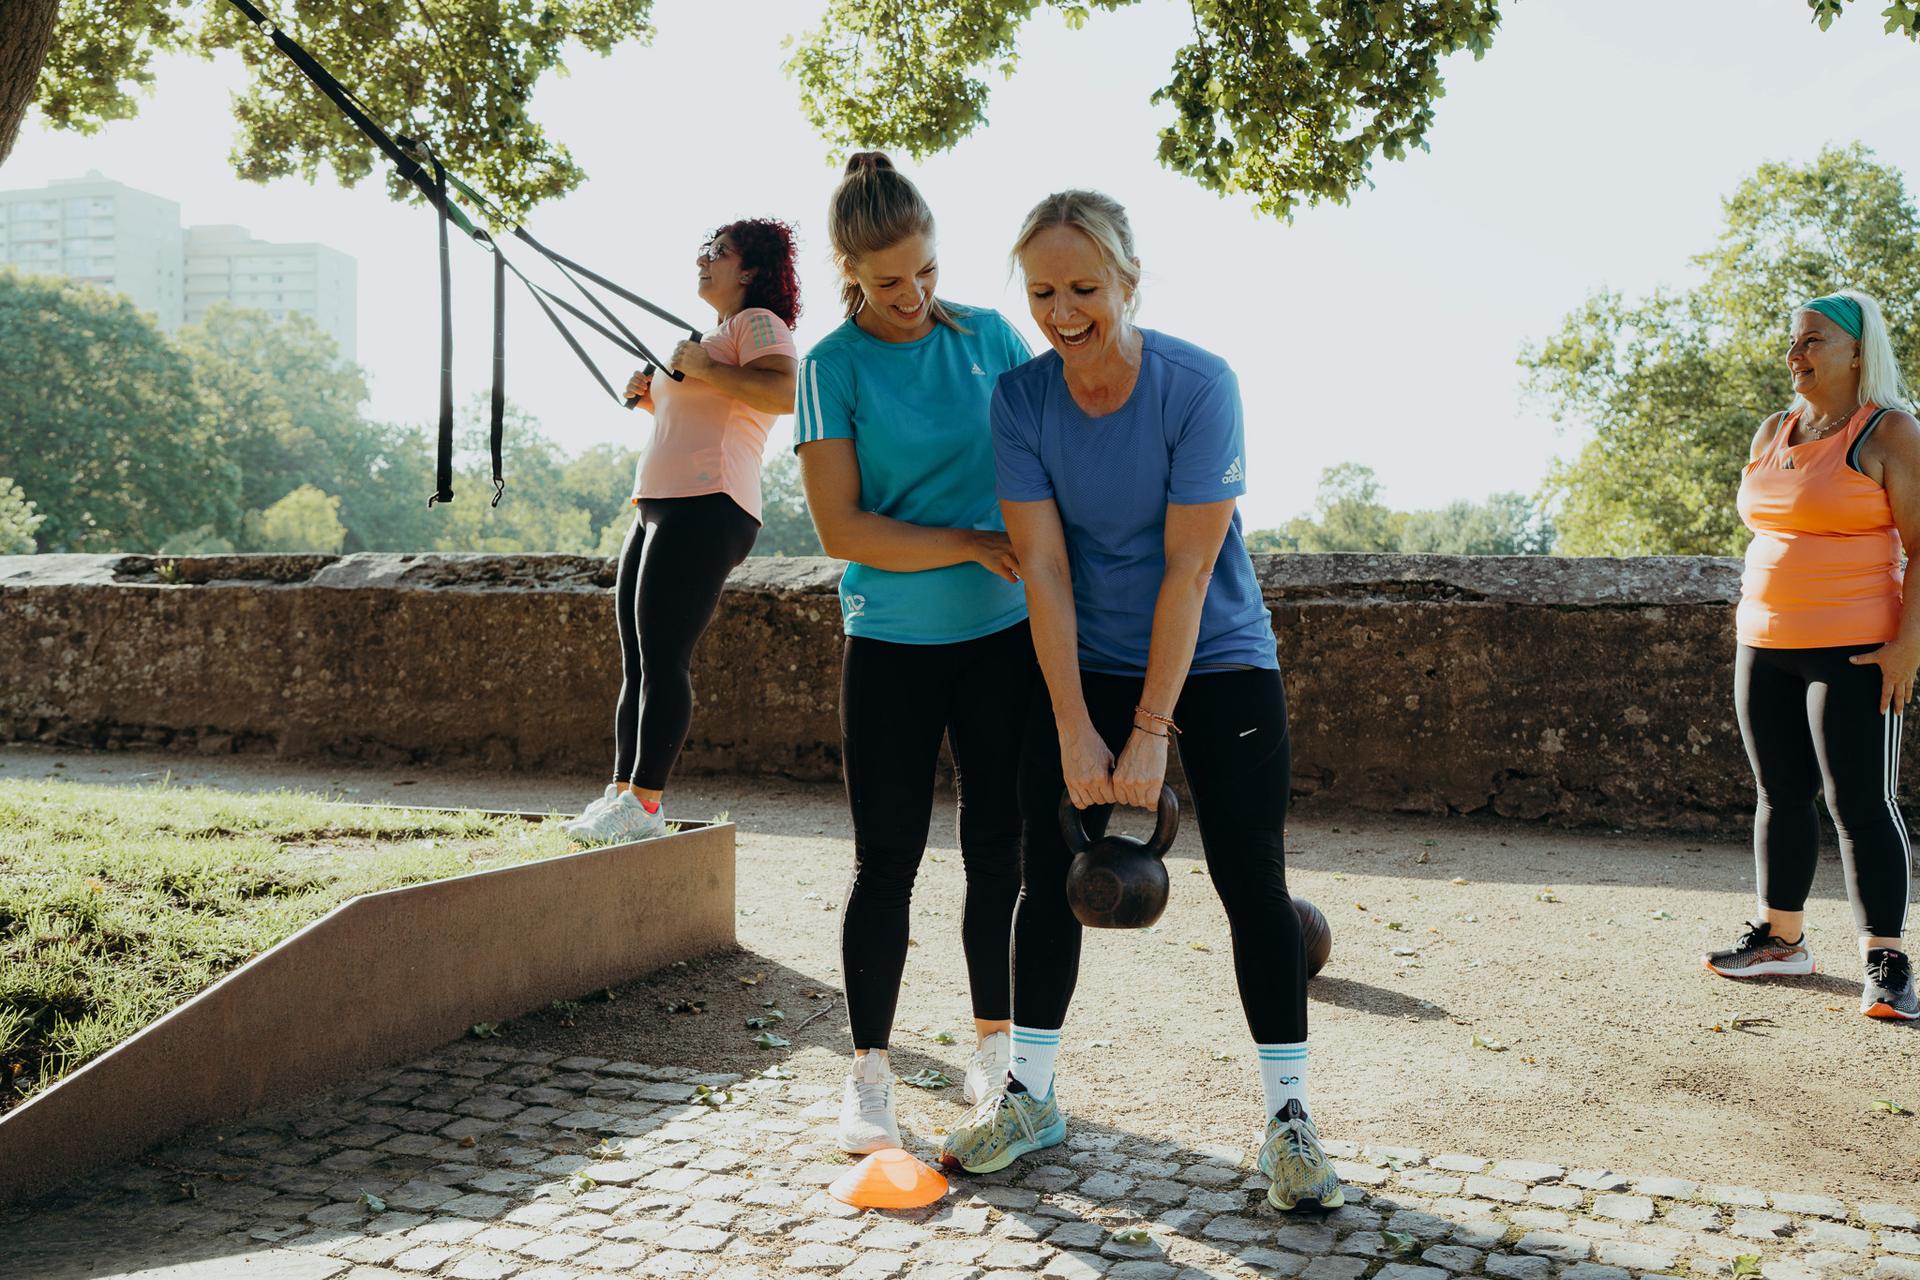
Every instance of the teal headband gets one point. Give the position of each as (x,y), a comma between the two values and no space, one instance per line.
(1840,309)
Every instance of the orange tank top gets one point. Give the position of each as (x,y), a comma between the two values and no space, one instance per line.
(1823,568)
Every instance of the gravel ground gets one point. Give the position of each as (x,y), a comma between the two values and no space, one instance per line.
(1576,952)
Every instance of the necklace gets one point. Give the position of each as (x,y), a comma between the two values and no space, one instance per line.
(1832,426)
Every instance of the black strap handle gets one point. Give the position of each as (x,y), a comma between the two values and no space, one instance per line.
(417,165)
(443,466)
(675,374)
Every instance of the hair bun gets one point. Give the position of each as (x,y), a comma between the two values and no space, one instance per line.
(868,162)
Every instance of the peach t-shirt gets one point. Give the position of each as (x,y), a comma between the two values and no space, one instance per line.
(705,441)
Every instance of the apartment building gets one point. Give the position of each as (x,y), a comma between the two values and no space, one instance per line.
(225,264)
(102,232)
(109,234)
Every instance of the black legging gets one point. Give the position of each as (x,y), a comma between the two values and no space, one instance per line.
(1812,722)
(1234,747)
(896,703)
(672,567)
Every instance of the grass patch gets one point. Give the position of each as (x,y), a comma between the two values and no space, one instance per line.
(117,904)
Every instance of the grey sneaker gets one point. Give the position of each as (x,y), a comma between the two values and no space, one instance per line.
(593,810)
(1292,1157)
(1889,989)
(621,822)
(866,1111)
(1758,954)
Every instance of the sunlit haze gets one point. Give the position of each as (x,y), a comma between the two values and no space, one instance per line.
(1589,149)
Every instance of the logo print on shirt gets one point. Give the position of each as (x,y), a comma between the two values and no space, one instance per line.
(978,370)
(1236,474)
(760,329)
(856,606)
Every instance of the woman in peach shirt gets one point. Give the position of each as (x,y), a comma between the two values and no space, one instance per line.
(1829,642)
(698,490)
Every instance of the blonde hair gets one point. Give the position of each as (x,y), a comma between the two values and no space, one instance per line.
(874,208)
(1098,217)
(1881,381)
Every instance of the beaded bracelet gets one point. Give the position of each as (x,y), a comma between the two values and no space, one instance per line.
(1157,718)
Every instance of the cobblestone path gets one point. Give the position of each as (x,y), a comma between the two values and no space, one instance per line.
(484,1162)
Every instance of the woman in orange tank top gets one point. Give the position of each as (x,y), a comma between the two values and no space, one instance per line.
(1829,642)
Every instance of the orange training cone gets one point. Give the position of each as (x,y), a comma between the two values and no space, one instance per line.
(889,1179)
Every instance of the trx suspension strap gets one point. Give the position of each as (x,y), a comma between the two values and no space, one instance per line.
(418,165)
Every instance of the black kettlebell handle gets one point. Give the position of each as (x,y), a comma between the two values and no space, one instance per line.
(1166,824)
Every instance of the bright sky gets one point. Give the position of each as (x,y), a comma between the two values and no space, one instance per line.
(1589,149)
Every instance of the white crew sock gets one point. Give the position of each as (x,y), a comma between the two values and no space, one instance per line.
(1033,1053)
(1283,1074)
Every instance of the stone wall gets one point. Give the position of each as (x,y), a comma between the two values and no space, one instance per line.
(1579,690)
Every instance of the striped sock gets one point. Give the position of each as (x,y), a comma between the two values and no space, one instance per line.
(1283,1074)
(1034,1050)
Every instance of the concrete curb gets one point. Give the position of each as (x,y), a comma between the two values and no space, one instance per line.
(384,976)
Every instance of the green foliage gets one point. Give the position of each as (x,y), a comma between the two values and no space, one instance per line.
(117,904)
(788,525)
(1349,516)
(286,407)
(307,519)
(577,506)
(460,74)
(1286,102)
(105,426)
(248,432)
(18,520)
(1673,386)
(1902,16)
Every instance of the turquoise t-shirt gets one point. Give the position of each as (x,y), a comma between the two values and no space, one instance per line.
(917,413)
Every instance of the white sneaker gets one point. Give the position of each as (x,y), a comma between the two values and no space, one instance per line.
(866,1113)
(987,1068)
(622,822)
(597,807)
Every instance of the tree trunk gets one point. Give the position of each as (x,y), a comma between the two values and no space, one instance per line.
(26,32)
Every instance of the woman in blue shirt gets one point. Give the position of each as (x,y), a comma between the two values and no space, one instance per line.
(897,456)
(1120,454)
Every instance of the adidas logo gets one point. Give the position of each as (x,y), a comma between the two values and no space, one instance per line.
(1236,474)
(979,371)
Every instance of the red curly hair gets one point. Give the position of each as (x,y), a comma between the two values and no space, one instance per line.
(767,247)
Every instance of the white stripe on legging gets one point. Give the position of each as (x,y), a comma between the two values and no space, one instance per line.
(1890,772)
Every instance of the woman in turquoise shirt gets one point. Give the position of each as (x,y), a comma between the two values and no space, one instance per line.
(892,432)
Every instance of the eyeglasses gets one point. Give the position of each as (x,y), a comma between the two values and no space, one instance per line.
(713,251)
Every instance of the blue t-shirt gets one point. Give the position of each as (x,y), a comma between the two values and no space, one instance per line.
(917,415)
(1177,439)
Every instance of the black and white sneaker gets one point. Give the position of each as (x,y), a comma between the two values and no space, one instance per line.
(1889,990)
(1758,954)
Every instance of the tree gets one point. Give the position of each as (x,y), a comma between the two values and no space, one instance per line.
(460,74)
(1506,524)
(788,525)
(103,423)
(17,520)
(1349,516)
(1673,386)
(539,511)
(1287,102)
(307,519)
(287,410)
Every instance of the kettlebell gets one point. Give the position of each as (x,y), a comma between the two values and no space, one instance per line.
(1118,882)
